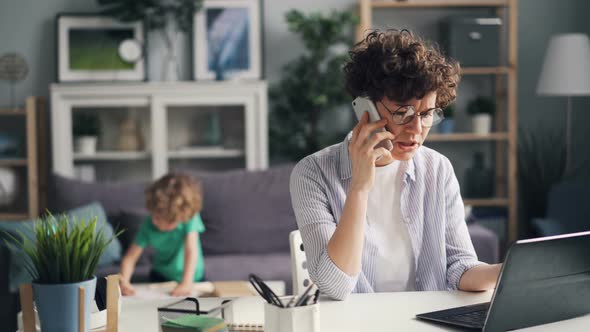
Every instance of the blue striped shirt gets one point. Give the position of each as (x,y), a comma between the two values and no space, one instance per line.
(431,209)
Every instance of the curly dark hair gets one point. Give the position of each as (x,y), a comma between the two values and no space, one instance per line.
(401,66)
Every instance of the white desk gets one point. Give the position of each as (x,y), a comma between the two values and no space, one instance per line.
(360,312)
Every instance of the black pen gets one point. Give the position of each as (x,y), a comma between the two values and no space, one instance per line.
(304,295)
(316,296)
(303,302)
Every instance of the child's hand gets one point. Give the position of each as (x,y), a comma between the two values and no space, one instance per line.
(183,289)
(126,288)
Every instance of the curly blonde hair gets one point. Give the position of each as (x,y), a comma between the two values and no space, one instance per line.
(400,66)
(174,197)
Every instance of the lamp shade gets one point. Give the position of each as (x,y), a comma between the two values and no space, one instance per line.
(566,68)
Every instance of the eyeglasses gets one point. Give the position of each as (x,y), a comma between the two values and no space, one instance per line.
(406,114)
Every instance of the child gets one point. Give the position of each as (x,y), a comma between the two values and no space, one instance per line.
(174,202)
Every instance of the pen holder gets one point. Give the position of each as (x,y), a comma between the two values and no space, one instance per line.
(294,319)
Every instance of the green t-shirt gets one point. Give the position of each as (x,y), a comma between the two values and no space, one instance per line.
(168,258)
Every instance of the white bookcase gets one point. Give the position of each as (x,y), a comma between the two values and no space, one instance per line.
(172,118)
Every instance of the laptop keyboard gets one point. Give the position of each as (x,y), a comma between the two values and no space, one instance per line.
(473,316)
(476,318)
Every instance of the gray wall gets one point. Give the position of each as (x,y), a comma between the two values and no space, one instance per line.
(27,27)
(538,21)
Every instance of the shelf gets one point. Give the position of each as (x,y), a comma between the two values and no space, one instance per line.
(112,155)
(13,162)
(13,112)
(486,201)
(214,152)
(466,137)
(437,4)
(13,216)
(485,70)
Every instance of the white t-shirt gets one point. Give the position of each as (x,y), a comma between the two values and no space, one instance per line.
(395,259)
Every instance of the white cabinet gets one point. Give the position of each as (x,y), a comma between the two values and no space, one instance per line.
(181,125)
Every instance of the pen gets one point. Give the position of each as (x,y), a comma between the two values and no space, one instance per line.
(292,301)
(302,298)
(316,296)
(304,301)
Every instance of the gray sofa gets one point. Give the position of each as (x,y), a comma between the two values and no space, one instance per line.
(247,215)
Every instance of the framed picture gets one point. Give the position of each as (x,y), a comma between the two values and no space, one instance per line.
(99,48)
(227,40)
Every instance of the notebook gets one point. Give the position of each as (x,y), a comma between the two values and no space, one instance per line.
(245,327)
(194,323)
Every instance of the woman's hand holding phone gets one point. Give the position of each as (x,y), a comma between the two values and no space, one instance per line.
(364,152)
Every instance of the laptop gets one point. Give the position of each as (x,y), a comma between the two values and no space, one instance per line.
(543,280)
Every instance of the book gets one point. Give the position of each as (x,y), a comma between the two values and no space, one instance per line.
(194,323)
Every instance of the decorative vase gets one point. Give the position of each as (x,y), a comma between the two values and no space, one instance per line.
(57,305)
(85,144)
(170,68)
(168,52)
(212,133)
(482,123)
(447,126)
(129,135)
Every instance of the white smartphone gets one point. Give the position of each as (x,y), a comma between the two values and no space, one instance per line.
(364,104)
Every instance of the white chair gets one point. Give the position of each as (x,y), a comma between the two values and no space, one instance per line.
(299,270)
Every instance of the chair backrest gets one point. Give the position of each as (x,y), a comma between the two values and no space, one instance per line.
(298,264)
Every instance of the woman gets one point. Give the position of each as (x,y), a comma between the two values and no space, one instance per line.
(373,219)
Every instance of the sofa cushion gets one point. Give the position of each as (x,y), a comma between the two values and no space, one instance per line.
(130,222)
(247,211)
(67,193)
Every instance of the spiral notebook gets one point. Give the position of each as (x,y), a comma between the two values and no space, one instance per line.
(234,316)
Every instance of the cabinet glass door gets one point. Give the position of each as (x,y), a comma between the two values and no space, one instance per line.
(111,143)
(208,136)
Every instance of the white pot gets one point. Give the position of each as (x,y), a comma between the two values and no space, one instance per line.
(482,124)
(85,144)
(169,61)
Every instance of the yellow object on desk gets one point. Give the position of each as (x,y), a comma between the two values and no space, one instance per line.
(231,289)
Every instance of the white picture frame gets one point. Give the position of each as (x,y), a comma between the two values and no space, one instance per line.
(239,15)
(71,32)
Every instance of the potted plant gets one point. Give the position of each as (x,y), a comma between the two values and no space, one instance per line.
(86,129)
(311,85)
(61,258)
(168,17)
(481,110)
(448,124)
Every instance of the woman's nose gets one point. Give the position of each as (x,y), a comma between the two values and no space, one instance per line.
(414,126)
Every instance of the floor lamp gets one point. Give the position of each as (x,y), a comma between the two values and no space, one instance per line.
(566,72)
